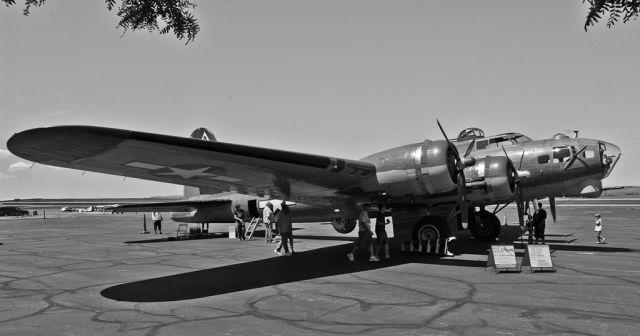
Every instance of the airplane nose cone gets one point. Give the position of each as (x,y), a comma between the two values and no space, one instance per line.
(610,156)
(612,150)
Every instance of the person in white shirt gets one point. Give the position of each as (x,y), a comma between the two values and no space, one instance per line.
(157,222)
(598,229)
(365,236)
(269,220)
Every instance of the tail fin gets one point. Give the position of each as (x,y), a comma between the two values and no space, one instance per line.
(202,134)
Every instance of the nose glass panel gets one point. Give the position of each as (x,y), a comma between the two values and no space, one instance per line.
(609,156)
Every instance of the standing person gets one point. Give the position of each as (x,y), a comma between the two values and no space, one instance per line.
(268,220)
(539,218)
(157,222)
(239,216)
(381,232)
(365,236)
(598,229)
(283,218)
(528,224)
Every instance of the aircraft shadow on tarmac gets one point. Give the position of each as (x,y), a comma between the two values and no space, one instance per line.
(312,264)
(259,233)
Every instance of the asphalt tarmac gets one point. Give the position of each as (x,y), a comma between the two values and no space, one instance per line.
(94,274)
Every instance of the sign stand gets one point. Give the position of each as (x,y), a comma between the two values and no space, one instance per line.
(503,259)
(538,258)
(144,224)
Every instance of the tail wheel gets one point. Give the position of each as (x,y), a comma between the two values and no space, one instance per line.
(485,226)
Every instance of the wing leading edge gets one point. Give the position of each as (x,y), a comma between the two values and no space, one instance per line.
(220,166)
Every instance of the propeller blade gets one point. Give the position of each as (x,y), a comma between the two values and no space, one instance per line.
(520,207)
(521,159)
(518,189)
(463,207)
(520,204)
(507,155)
(455,150)
(462,202)
(470,148)
(552,206)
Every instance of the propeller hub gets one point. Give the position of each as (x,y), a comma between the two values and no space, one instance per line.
(467,162)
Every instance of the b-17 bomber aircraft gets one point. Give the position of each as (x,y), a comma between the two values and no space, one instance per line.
(434,187)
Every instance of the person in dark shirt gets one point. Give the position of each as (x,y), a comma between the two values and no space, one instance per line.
(381,233)
(239,216)
(539,218)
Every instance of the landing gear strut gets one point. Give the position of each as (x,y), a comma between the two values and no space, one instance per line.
(484,225)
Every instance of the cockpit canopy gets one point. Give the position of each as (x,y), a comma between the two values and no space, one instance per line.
(470,133)
(491,142)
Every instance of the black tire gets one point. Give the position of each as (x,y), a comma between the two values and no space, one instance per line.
(429,228)
(485,226)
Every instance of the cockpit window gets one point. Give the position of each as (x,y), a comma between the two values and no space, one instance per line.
(520,138)
(503,140)
(482,144)
(561,154)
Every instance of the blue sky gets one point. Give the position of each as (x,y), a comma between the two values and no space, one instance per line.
(341,78)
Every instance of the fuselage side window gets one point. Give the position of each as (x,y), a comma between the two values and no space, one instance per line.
(589,154)
(561,154)
(542,159)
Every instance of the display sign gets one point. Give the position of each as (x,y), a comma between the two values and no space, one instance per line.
(538,258)
(503,258)
(232,231)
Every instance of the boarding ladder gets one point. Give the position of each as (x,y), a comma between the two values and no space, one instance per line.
(251,228)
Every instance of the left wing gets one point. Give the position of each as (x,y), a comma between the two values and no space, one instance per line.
(176,206)
(217,166)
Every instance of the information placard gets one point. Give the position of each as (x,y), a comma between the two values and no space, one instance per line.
(503,258)
(538,258)
(232,231)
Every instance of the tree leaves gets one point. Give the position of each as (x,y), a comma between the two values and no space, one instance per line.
(627,9)
(166,16)
(163,16)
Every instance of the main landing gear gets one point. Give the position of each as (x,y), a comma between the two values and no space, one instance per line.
(431,235)
(429,228)
(484,225)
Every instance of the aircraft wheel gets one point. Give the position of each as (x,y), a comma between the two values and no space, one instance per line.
(484,226)
(429,228)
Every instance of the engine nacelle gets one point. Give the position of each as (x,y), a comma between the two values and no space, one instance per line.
(425,169)
(343,225)
(492,179)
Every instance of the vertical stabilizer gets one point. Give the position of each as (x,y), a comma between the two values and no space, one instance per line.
(202,134)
